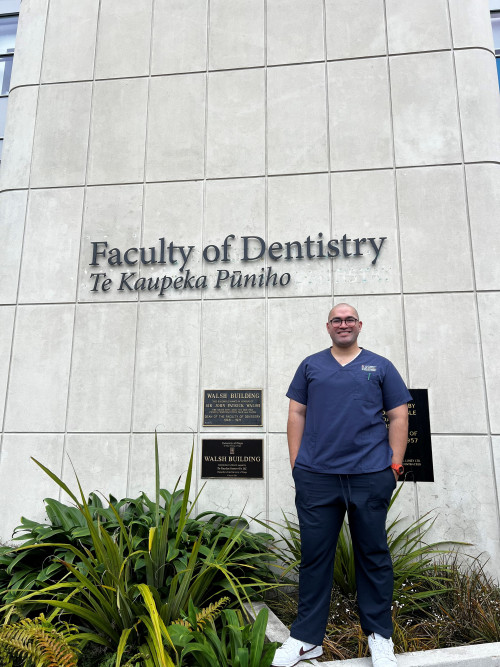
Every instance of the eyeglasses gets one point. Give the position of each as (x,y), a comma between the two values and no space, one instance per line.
(337,321)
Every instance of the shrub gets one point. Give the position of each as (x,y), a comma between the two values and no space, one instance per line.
(126,584)
(469,611)
(441,599)
(415,578)
(27,570)
(236,645)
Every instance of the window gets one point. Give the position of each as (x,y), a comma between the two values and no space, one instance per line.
(9,14)
(495,24)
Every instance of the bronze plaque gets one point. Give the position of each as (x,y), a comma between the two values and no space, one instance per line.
(232,458)
(418,458)
(232,407)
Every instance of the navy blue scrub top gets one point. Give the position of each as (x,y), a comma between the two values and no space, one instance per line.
(345,431)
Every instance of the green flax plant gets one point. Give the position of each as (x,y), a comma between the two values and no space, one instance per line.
(235,645)
(415,578)
(467,612)
(23,571)
(101,592)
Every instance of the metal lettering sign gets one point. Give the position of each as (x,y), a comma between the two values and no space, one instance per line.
(232,458)
(232,407)
(165,255)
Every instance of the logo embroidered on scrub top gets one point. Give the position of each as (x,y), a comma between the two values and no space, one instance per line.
(370,369)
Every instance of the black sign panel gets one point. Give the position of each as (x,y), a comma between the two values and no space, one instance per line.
(232,407)
(232,458)
(418,458)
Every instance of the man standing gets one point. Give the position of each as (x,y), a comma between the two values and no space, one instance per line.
(344,459)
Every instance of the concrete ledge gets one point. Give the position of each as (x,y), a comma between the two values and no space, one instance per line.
(477,655)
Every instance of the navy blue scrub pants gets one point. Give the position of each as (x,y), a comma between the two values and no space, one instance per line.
(322,501)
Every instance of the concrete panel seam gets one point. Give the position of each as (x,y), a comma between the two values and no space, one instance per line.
(398,231)
(80,248)
(252,67)
(476,303)
(328,143)
(266,227)
(41,187)
(255,176)
(436,434)
(43,42)
(394,170)
(24,85)
(197,449)
(14,190)
(461,48)
(82,304)
(138,310)
(22,247)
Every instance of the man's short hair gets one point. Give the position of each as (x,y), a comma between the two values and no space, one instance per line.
(344,304)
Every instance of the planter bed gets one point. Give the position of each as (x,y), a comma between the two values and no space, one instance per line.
(475,655)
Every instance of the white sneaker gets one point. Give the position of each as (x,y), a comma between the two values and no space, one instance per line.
(382,651)
(293,651)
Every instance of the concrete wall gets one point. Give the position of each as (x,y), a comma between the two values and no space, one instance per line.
(130,121)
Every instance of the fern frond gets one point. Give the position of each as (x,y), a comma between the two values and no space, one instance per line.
(132,662)
(5,657)
(183,622)
(205,615)
(39,642)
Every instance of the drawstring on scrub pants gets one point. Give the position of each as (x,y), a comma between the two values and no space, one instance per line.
(347,502)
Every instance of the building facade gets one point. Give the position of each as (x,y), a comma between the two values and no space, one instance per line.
(270,158)
(9,13)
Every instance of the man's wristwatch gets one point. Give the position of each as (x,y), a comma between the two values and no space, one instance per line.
(398,468)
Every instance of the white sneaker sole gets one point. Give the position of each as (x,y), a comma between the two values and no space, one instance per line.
(308,655)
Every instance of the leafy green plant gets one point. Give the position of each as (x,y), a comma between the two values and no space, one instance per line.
(236,645)
(28,570)
(154,652)
(101,590)
(197,619)
(39,643)
(469,611)
(163,531)
(455,603)
(415,579)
